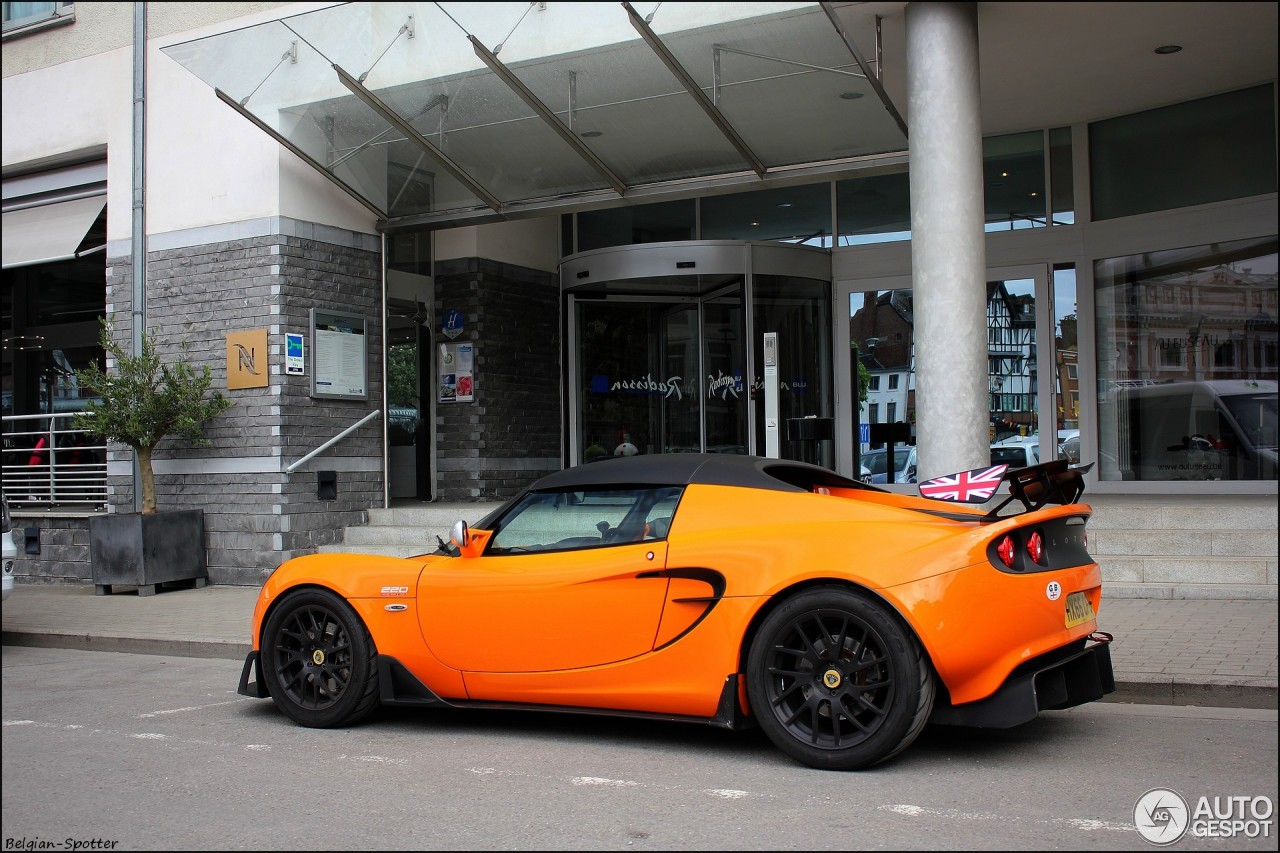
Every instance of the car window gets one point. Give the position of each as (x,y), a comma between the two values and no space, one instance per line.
(1014,456)
(874,460)
(560,521)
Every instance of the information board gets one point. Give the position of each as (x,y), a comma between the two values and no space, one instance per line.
(339,355)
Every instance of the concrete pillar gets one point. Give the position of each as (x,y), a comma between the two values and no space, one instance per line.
(948,252)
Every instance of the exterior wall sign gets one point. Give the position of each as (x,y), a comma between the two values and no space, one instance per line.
(294,355)
(247,359)
(457,373)
(339,355)
(451,324)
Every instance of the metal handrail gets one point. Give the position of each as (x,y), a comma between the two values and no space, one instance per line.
(46,462)
(331,442)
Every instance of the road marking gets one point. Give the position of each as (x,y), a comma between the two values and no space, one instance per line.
(608,783)
(1087,824)
(190,708)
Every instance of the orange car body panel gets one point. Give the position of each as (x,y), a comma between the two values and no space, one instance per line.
(628,627)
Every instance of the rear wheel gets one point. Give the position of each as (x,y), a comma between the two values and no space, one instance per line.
(319,661)
(836,681)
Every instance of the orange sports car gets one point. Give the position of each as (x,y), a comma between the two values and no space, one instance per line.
(718,589)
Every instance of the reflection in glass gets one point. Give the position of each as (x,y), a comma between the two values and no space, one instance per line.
(646,223)
(875,209)
(1187,363)
(638,368)
(881,327)
(1013,179)
(1012,361)
(1223,147)
(789,215)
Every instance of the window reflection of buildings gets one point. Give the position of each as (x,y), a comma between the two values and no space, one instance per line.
(882,329)
(1214,323)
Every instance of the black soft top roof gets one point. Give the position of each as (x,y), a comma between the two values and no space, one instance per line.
(681,469)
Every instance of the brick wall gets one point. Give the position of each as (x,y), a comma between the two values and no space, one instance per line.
(256,516)
(510,435)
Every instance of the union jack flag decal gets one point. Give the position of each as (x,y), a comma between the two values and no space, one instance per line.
(967,487)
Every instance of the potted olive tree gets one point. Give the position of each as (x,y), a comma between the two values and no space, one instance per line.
(142,401)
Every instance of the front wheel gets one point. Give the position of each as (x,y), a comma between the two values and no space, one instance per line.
(836,681)
(319,661)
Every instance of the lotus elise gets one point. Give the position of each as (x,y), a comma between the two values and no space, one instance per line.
(719,589)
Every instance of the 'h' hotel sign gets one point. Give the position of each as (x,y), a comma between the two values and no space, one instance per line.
(247,359)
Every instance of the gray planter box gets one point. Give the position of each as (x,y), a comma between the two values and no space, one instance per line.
(147,550)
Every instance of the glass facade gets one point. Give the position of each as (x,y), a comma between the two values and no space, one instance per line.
(1187,363)
(1218,148)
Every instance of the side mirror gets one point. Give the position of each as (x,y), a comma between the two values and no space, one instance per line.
(459,534)
(470,543)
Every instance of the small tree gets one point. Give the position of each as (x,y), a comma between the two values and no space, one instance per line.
(143,401)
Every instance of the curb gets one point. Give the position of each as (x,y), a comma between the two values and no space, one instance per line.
(215,649)
(1206,693)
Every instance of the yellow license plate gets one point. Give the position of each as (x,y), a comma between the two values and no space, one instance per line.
(1079,610)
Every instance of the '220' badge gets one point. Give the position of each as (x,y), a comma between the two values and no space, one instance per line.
(395,590)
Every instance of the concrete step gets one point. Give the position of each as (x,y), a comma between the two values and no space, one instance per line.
(379,550)
(430,514)
(408,530)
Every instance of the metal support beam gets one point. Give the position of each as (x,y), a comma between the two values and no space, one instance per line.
(544,112)
(691,86)
(872,78)
(298,152)
(410,133)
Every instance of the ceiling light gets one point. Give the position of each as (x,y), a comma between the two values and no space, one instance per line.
(785,204)
(850,96)
(1168,48)
(755,223)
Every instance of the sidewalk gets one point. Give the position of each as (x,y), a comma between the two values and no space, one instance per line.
(1166,651)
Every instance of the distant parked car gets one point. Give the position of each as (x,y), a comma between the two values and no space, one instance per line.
(10,548)
(1022,452)
(1069,449)
(904,466)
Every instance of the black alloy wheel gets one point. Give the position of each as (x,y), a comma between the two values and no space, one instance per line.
(319,660)
(836,681)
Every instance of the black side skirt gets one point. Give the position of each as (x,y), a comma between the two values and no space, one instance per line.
(1060,679)
(398,686)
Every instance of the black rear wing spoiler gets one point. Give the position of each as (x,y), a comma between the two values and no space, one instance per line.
(1056,482)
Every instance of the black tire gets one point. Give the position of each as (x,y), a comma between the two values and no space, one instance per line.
(843,710)
(319,661)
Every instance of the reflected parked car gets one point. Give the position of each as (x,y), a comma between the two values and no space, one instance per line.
(10,548)
(874,464)
(1069,449)
(1019,452)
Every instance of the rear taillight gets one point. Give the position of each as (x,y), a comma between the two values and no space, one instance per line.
(1004,548)
(1035,548)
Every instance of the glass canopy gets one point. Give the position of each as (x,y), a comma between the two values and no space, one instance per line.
(428,111)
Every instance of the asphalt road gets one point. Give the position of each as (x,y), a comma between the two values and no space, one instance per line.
(125,752)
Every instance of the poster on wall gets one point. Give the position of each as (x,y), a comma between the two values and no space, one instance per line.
(339,355)
(457,373)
